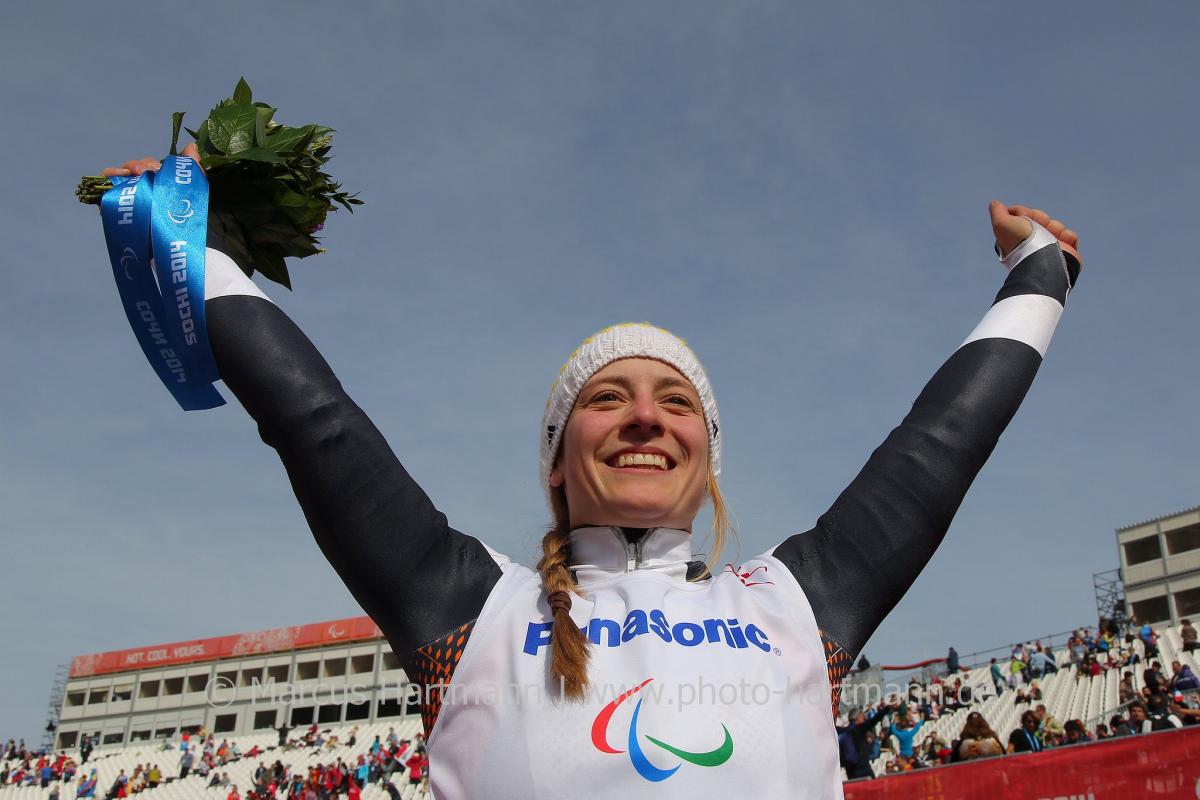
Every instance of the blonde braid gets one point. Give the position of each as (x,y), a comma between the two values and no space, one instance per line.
(568,646)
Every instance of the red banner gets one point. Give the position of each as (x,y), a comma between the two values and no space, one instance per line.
(245,644)
(1160,765)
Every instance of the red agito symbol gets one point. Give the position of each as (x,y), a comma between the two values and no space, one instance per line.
(744,577)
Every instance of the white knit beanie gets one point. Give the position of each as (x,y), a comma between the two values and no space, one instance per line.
(627,340)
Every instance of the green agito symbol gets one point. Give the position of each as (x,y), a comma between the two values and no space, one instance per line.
(711,758)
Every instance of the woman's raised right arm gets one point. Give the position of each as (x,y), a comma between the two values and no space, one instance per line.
(417,578)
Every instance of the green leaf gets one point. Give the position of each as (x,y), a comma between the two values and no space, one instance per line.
(290,199)
(291,139)
(202,140)
(273,267)
(308,247)
(258,154)
(262,117)
(241,93)
(232,128)
(176,122)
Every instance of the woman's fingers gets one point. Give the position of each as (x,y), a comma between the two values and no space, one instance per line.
(193,152)
(1009,229)
(1040,217)
(139,165)
(1006,231)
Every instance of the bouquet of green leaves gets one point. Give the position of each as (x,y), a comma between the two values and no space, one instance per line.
(267,193)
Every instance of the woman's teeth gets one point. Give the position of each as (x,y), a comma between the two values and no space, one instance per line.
(641,460)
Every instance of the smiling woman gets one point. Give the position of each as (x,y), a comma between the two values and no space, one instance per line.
(621,662)
(635,448)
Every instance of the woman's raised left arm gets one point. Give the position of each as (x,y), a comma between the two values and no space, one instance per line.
(867,550)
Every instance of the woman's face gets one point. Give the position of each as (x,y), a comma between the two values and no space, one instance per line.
(635,450)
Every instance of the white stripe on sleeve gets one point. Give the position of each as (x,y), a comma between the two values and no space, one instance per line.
(1028,318)
(223,277)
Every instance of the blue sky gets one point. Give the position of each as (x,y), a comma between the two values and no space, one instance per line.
(799,191)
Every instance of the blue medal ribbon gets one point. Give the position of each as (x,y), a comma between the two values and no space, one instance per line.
(164,218)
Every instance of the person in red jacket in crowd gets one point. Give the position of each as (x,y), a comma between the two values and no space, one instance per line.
(416,768)
(233,793)
(354,792)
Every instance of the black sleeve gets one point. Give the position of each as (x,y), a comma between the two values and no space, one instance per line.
(867,550)
(416,577)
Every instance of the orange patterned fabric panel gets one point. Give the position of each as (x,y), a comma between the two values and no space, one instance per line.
(837,664)
(433,666)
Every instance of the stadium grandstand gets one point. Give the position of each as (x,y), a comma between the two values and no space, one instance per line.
(124,720)
(325,673)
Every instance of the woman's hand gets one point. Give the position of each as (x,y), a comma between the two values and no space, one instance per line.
(149,163)
(1010,227)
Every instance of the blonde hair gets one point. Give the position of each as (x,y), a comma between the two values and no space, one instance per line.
(568,645)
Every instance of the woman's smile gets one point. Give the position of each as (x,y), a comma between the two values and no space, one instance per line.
(635,448)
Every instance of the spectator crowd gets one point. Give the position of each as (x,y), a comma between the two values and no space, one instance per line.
(202,755)
(384,758)
(1165,701)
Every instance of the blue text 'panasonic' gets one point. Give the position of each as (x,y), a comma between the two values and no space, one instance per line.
(610,633)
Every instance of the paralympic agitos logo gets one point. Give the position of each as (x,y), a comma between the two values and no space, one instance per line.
(185,211)
(637,756)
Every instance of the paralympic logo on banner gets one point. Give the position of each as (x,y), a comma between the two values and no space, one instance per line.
(179,217)
(711,758)
(128,257)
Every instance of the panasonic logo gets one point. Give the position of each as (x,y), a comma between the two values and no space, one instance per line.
(611,633)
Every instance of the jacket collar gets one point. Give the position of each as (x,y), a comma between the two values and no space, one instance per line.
(602,552)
